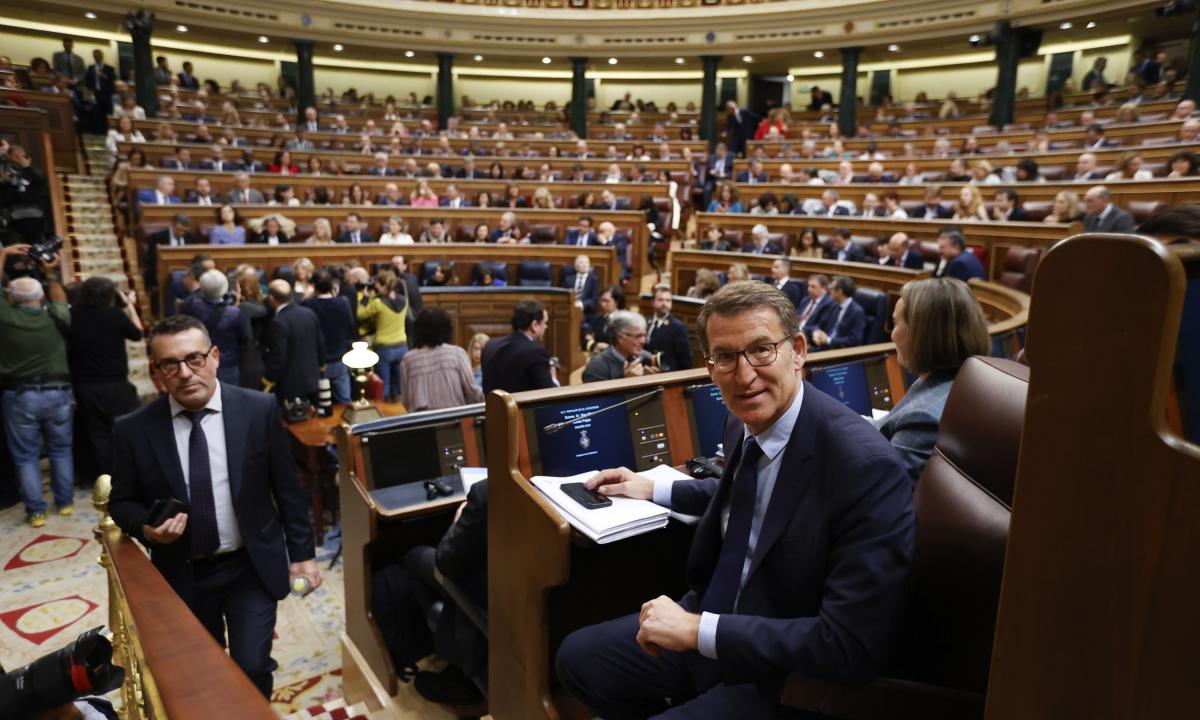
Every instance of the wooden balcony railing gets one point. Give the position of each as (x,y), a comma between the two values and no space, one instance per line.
(173,668)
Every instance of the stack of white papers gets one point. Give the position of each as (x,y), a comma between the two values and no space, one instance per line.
(626,517)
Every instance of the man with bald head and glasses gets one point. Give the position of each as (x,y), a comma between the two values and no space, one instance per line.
(244,537)
(801,558)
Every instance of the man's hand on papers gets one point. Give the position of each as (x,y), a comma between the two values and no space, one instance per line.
(621,481)
(664,625)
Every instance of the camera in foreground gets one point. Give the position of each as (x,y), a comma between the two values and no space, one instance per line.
(82,668)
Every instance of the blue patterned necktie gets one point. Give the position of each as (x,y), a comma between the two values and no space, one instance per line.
(726,579)
(202,516)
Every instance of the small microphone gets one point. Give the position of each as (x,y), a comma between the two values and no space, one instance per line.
(555,427)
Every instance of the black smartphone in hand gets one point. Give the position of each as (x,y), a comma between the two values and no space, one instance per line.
(163,510)
(589,499)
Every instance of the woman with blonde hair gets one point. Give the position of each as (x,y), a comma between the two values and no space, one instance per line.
(542,199)
(937,325)
(1066,209)
(322,233)
(738,271)
(302,272)
(706,284)
(981,173)
(970,204)
(475,353)
(424,196)
(395,234)
(1129,167)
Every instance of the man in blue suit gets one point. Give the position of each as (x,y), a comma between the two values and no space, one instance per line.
(583,235)
(957,261)
(741,125)
(755,174)
(583,281)
(814,312)
(245,536)
(847,321)
(162,194)
(802,555)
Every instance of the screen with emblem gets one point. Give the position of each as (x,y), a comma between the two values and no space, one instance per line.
(592,443)
(861,385)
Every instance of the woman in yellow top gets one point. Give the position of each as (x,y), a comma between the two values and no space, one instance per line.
(385,311)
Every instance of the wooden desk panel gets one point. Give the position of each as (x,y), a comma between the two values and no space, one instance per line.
(60,117)
(1171,191)
(489,310)
(488,144)
(1108,157)
(223,182)
(604,259)
(156,152)
(995,238)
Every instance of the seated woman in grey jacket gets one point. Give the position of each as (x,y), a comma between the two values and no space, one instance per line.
(937,325)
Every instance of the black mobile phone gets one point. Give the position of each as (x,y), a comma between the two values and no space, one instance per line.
(163,510)
(589,499)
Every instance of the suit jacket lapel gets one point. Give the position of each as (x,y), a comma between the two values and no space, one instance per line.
(162,440)
(792,481)
(236,430)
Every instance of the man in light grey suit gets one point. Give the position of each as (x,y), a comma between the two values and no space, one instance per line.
(242,192)
(1102,215)
(66,62)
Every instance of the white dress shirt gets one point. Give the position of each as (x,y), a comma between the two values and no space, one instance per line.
(773,441)
(213,424)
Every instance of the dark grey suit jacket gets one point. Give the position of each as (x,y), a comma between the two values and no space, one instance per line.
(912,425)
(1117,221)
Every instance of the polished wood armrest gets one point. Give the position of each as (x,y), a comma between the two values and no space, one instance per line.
(881,699)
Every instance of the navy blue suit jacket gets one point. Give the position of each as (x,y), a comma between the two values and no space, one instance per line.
(848,332)
(591,290)
(573,237)
(964,267)
(771,248)
(744,177)
(819,317)
(671,339)
(829,578)
(271,508)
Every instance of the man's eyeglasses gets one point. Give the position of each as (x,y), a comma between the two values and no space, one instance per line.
(757,356)
(195,361)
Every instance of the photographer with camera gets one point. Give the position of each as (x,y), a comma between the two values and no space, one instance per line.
(37,401)
(625,357)
(102,319)
(229,329)
(25,197)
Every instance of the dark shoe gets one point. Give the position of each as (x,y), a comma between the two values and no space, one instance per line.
(452,688)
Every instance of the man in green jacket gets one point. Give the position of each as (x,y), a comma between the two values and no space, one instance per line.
(37,400)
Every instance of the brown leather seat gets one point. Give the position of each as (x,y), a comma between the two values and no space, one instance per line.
(543,234)
(963,500)
(1038,209)
(1019,264)
(1142,210)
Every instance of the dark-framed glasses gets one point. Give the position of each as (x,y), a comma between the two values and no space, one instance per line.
(756,355)
(195,361)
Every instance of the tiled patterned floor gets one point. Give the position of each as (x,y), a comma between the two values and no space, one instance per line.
(52,589)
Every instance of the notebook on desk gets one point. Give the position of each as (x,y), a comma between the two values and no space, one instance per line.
(626,517)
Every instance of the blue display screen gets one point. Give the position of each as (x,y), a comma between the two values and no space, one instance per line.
(709,414)
(845,383)
(594,443)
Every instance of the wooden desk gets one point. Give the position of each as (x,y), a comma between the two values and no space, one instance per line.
(1068,158)
(564,192)
(1171,191)
(604,259)
(994,237)
(374,536)
(308,440)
